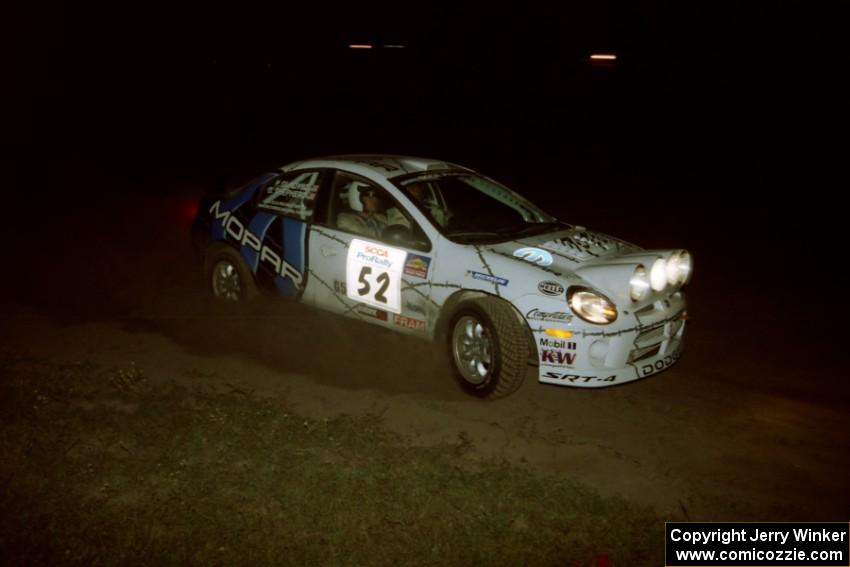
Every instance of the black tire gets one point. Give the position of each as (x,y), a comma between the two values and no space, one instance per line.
(227,275)
(503,338)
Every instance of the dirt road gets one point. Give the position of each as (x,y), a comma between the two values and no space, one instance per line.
(751,424)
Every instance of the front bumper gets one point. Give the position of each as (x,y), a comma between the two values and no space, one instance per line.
(596,358)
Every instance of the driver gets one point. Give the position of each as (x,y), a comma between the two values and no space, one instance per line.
(366,216)
(420,194)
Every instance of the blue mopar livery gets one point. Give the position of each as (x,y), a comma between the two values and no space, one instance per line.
(437,251)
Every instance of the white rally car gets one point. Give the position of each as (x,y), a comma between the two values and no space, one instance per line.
(436,250)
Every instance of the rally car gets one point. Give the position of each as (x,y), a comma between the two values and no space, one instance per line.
(438,251)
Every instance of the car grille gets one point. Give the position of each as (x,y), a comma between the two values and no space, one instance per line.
(651,341)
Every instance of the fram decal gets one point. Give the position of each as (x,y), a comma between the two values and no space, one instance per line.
(409,322)
(417,265)
(535,256)
(557,357)
(237,231)
(487,278)
(550,288)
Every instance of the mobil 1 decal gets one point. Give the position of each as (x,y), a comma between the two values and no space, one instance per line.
(373,274)
(275,251)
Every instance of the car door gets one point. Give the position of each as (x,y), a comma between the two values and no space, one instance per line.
(360,273)
(277,251)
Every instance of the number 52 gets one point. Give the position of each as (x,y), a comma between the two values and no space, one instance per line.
(383,279)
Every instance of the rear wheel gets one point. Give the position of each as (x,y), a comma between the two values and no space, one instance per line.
(487,348)
(227,274)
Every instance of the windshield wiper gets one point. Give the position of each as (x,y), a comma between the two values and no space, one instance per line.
(533,228)
(475,235)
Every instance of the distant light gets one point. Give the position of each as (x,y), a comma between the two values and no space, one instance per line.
(360,46)
(393,47)
(603,57)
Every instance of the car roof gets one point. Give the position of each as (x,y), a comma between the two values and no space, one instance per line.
(380,165)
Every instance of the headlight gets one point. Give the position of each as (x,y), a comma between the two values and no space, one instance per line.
(658,275)
(678,267)
(591,306)
(639,284)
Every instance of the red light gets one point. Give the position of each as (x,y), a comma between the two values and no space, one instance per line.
(188,210)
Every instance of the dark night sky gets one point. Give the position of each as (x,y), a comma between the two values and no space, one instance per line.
(732,99)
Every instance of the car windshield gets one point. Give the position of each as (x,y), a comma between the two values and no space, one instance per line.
(468,207)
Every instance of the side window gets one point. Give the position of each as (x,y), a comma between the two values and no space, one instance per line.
(292,194)
(365,209)
(427,196)
(357,206)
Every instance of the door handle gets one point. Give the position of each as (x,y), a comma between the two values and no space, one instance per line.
(328,252)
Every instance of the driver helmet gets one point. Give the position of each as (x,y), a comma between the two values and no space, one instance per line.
(354,190)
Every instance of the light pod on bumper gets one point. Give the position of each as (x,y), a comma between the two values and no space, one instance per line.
(638,284)
(678,267)
(658,275)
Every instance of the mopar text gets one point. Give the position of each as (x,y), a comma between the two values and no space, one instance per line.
(240,234)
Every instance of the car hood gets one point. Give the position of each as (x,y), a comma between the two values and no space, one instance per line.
(577,256)
(565,250)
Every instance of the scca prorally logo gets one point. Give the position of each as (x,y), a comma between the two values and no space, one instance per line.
(535,256)
(376,251)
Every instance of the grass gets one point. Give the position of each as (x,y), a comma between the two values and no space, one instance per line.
(101,467)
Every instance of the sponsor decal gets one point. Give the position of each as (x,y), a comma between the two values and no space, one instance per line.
(339,287)
(550,288)
(237,231)
(555,343)
(409,322)
(369,311)
(557,357)
(289,196)
(373,259)
(417,265)
(558,316)
(377,250)
(577,378)
(487,278)
(660,364)
(373,274)
(534,255)
(292,197)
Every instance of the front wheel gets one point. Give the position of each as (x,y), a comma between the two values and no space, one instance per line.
(227,274)
(488,348)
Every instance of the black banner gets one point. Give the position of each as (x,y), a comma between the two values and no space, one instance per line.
(768,544)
